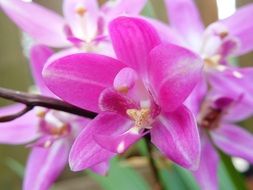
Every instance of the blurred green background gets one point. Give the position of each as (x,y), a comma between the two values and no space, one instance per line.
(14,74)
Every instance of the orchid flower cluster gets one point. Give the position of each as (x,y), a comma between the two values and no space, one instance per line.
(174,82)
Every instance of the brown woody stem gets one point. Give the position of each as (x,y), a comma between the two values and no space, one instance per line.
(33,100)
(11,117)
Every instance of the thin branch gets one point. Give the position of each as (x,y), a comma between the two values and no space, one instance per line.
(32,100)
(159,183)
(11,117)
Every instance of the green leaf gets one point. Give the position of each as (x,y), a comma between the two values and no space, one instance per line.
(121,177)
(171,180)
(15,166)
(229,177)
(225,181)
(187,178)
(178,178)
(142,147)
(148,10)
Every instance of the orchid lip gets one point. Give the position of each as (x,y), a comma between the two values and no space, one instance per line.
(212,119)
(54,125)
(213,114)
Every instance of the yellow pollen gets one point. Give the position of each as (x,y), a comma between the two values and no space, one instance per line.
(80,10)
(141,117)
(41,114)
(223,34)
(62,130)
(212,62)
(122,89)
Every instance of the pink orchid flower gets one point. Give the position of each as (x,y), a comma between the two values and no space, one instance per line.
(140,92)
(83,25)
(50,133)
(222,39)
(218,129)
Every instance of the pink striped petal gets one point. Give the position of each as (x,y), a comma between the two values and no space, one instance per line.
(173,73)
(176,135)
(39,54)
(45,165)
(80,78)
(234,140)
(21,130)
(85,152)
(132,39)
(240,25)
(45,26)
(184,17)
(101,168)
(207,173)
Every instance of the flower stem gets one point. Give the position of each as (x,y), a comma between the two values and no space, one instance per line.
(33,100)
(16,115)
(153,166)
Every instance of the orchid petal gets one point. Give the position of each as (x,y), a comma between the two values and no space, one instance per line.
(194,101)
(173,73)
(207,173)
(101,168)
(119,143)
(39,54)
(62,53)
(104,47)
(235,109)
(234,140)
(45,165)
(234,83)
(176,135)
(21,130)
(113,9)
(36,25)
(82,16)
(80,78)
(85,151)
(132,39)
(240,25)
(184,17)
(239,111)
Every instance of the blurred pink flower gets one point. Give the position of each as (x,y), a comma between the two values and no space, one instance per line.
(140,92)
(50,133)
(84,24)
(218,128)
(222,39)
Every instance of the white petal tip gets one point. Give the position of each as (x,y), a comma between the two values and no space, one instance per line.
(121,147)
